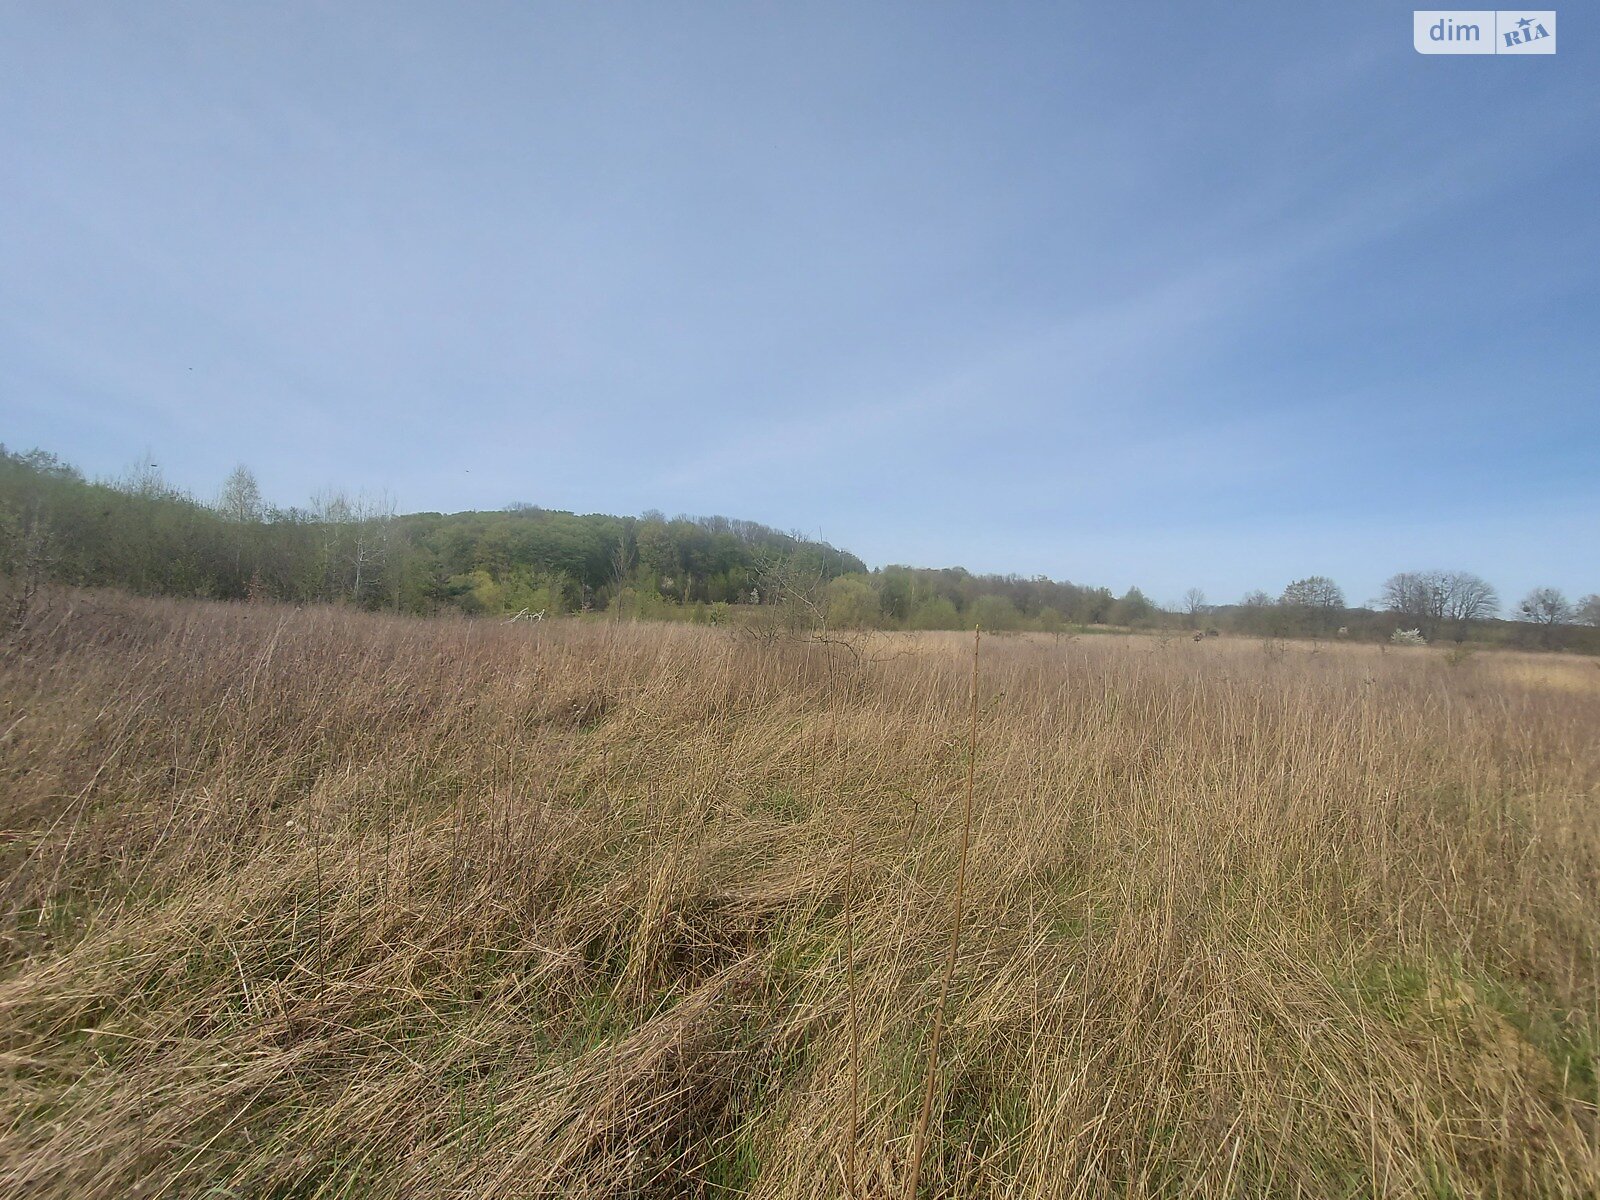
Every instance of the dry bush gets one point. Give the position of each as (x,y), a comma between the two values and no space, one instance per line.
(312,903)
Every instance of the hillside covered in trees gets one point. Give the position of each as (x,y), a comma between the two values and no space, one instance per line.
(141,534)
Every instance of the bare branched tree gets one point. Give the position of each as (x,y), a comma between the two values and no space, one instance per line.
(1468,597)
(793,595)
(623,559)
(240,499)
(357,541)
(1545,606)
(1433,598)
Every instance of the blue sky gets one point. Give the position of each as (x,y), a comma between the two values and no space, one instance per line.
(1211,295)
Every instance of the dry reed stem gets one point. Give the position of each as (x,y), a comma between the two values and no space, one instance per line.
(919,1140)
(854,1128)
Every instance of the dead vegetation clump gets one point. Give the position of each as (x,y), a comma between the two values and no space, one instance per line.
(315,903)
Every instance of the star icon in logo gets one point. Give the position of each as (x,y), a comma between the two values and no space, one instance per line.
(1524,23)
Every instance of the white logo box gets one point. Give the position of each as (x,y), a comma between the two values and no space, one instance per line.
(1484,31)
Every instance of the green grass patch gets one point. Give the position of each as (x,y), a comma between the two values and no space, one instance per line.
(1565,1037)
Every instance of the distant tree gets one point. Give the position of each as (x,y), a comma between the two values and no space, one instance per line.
(1408,593)
(852,603)
(1545,606)
(659,552)
(1314,591)
(1133,607)
(794,594)
(1258,613)
(375,547)
(1092,606)
(1588,611)
(896,594)
(1433,598)
(240,499)
(994,613)
(1313,603)
(1468,597)
(41,463)
(935,613)
(240,505)
(25,562)
(358,543)
(622,568)
(1194,603)
(145,480)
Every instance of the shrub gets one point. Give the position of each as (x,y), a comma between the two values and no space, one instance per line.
(937,613)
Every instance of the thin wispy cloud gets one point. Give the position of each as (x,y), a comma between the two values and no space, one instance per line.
(940,286)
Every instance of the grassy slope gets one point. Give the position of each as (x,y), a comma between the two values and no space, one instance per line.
(311,903)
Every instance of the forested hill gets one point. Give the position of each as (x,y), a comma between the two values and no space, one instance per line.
(143,534)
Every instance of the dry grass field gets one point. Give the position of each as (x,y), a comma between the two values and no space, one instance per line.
(309,903)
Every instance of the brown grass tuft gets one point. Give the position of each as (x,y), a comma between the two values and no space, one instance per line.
(315,903)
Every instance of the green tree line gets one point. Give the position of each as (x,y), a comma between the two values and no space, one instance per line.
(142,534)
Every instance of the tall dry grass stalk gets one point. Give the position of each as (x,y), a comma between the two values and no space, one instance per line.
(315,903)
(958,905)
(853,1130)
